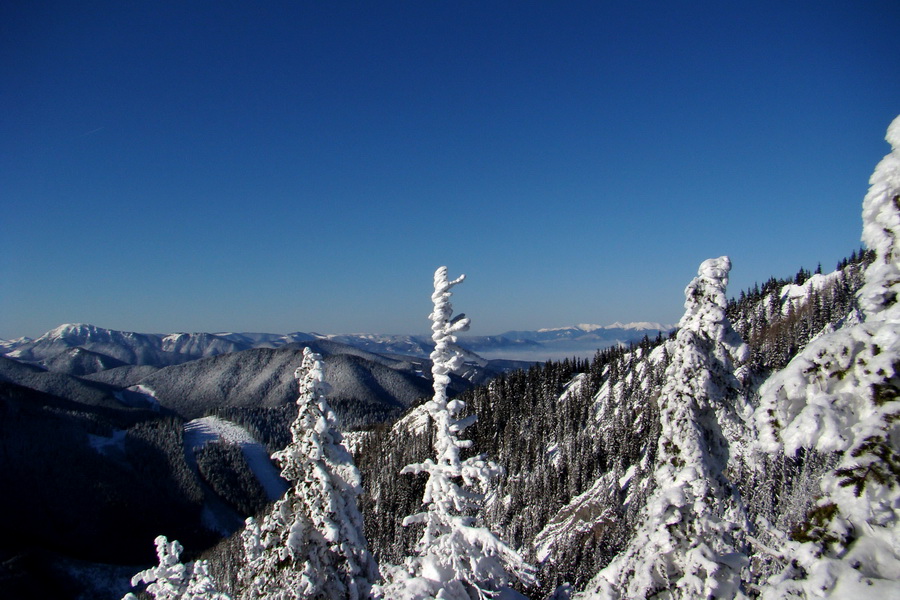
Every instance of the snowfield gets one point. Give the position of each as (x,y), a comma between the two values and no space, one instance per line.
(199,432)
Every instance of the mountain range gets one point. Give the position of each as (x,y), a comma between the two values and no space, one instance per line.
(81,349)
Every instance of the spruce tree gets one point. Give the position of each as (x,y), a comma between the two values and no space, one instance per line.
(456,559)
(688,544)
(311,545)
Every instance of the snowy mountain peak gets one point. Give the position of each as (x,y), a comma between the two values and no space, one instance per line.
(71,330)
(639,326)
(590,328)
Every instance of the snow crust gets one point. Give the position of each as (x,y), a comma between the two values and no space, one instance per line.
(794,295)
(573,387)
(582,514)
(139,394)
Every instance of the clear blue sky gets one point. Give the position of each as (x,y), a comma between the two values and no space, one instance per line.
(284,166)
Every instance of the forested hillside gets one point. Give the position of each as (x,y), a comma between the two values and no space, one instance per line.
(577,438)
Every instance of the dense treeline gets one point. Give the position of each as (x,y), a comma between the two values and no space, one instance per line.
(224,468)
(549,453)
(268,425)
(61,459)
(776,331)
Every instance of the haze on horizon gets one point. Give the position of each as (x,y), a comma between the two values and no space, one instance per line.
(307,166)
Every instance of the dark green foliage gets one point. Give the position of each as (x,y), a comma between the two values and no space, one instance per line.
(815,527)
(882,465)
(550,452)
(161,440)
(224,468)
(390,496)
(226,558)
(271,426)
(887,391)
(355,413)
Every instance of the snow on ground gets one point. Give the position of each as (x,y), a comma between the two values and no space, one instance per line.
(553,455)
(199,432)
(415,421)
(580,516)
(573,387)
(797,295)
(139,395)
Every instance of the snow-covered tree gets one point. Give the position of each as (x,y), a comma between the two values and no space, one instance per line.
(311,545)
(172,580)
(841,396)
(688,544)
(457,560)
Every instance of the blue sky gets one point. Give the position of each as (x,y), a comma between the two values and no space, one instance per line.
(284,166)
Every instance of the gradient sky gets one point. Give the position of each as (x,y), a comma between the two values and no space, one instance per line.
(285,166)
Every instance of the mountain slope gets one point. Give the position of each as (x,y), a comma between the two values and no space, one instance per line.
(90,393)
(74,478)
(80,362)
(264,377)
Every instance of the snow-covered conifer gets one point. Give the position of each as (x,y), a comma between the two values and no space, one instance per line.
(879,297)
(311,545)
(457,560)
(841,395)
(688,543)
(172,580)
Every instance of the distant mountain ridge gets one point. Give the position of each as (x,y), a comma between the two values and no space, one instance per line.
(109,347)
(124,346)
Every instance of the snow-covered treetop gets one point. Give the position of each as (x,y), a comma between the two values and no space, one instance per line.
(456,559)
(311,377)
(447,357)
(705,299)
(705,303)
(881,230)
(172,580)
(686,543)
(315,433)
